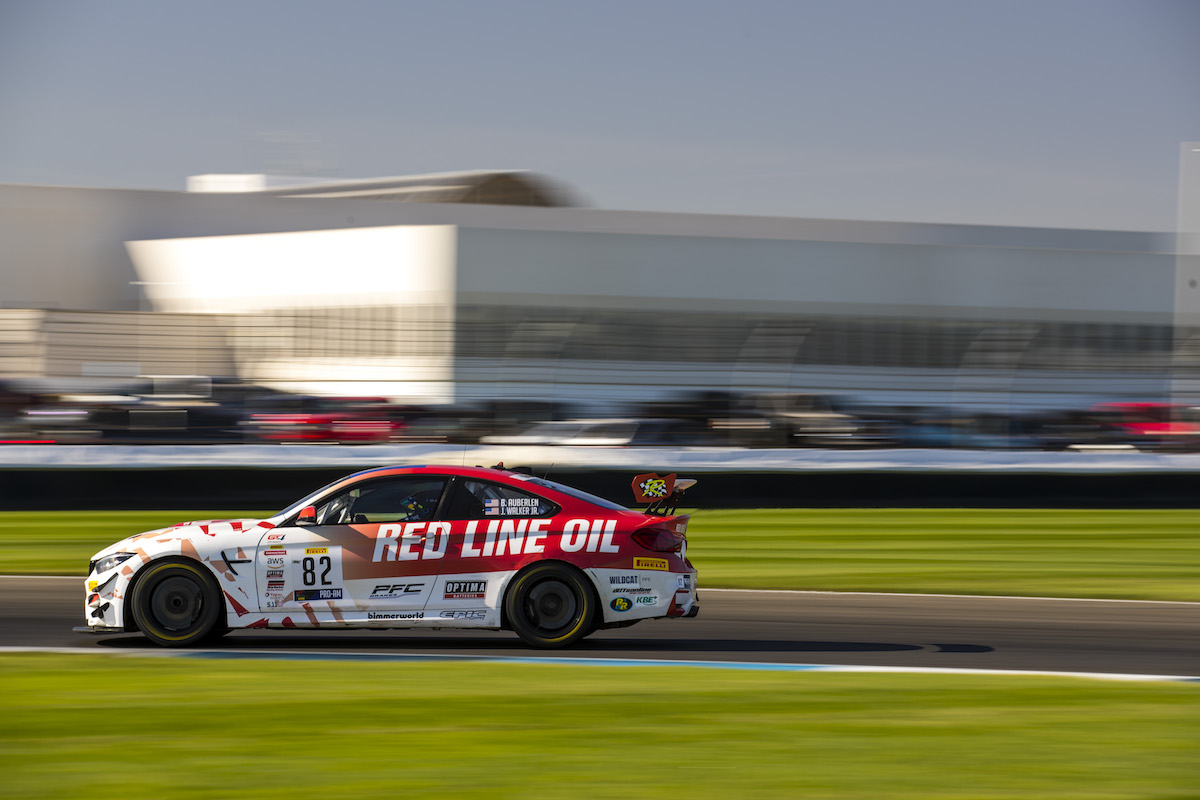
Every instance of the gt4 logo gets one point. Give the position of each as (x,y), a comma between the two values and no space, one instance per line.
(396,589)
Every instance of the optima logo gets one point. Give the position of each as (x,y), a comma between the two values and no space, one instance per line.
(465,590)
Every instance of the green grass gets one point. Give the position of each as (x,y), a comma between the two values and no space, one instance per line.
(117,726)
(1143,554)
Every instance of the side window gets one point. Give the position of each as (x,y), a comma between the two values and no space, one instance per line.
(412,497)
(483,500)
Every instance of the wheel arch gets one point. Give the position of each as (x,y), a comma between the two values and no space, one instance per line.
(588,581)
(127,607)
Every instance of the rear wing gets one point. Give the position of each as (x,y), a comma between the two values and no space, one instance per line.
(661,493)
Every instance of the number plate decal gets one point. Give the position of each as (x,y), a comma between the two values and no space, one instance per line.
(317,568)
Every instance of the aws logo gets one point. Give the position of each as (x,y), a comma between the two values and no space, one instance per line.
(621,604)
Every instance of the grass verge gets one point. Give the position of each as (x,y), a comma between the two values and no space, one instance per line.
(109,726)
(1142,554)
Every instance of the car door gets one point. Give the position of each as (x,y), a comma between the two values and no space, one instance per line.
(362,552)
(494,530)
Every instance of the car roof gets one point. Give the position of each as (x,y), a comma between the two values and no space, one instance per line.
(489,473)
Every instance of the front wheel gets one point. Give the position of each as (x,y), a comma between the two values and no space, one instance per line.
(550,605)
(176,603)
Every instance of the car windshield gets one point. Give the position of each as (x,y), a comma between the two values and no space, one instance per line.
(305,501)
(577,494)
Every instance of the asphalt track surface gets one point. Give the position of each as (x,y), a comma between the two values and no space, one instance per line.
(989,633)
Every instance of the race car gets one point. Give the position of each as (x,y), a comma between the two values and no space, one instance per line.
(408,547)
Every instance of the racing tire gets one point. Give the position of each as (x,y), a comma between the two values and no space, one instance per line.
(550,605)
(176,603)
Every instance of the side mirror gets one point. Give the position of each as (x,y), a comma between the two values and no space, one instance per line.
(308,516)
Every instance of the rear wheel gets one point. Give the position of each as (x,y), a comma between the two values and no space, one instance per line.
(176,603)
(550,605)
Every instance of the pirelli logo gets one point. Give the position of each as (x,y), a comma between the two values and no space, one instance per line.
(316,551)
(650,563)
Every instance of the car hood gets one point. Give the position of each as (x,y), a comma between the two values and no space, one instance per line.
(185,530)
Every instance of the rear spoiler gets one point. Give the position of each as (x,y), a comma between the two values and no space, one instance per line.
(661,493)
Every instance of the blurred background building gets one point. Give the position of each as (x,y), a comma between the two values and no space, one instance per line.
(499,285)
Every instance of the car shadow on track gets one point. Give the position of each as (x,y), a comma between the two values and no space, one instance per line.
(507,644)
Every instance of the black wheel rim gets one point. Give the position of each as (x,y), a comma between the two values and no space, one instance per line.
(176,603)
(551,607)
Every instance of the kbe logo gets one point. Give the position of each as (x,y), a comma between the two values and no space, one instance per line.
(620,604)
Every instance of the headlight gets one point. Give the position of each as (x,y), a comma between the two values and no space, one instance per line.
(109,562)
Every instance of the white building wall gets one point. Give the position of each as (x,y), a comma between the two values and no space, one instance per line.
(803,277)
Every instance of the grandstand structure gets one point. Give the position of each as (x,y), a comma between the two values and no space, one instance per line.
(500,284)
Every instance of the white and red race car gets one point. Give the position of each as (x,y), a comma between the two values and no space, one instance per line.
(408,547)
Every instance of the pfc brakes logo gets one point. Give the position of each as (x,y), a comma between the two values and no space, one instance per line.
(396,590)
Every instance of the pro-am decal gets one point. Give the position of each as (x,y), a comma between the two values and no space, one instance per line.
(309,595)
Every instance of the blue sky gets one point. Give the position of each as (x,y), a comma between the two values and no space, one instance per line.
(1055,113)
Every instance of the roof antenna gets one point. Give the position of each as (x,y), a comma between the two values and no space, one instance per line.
(546,477)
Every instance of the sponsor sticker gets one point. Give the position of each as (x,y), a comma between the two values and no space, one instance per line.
(472,614)
(398,615)
(511,507)
(395,590)
(275,553)
(631,590)
(303,595)
(651,487)
(621,604)
(465,590)
(318,568)
(646,600)
(650,563)
(622,580)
